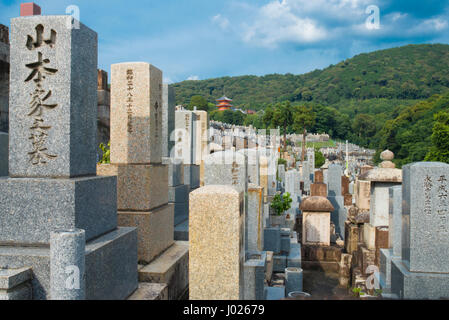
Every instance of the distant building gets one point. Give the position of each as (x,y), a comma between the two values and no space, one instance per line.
(224,103)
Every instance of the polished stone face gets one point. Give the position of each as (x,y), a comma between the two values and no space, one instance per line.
(334,180)
(136,113)
(53,98)
(183,136)
(425,217)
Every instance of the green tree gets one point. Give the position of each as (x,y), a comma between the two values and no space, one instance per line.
(439,151)
(319,159)
(283,117)
(199,102)
(303,118)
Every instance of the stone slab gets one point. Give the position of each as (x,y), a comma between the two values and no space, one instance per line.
(181,212)
(171,268)
(175,172)
(150,292)
(168,118)
(425,217)
(22,292)
(418,285)
(155,230)
(136,113)
(139,187)
(111,265)
(192,176)
(30,208)
(183,136)
(275,293)
(216,237)
(254,276)
(182,231)
(11,278)
(255,218)
(395,221)
(69,87)
(3,154)
(179,193)
(379,203)
(272,240)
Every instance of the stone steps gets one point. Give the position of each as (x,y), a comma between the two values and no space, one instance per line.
(170,268)
(15,284)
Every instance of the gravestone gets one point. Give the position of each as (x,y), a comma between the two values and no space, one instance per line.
(216,254)
(253,165)
(306,176)
(3,154)
(201,141)
(319,177)
(334,192)
(256,221)
(183,136)
(168,118)
(316,219)
(423,271)
(334,180)
(4,78)
(142,180)
(53,123)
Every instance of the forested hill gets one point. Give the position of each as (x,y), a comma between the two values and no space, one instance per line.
(405,73)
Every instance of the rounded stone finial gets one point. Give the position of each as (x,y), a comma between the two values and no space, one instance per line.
(387,155)
(316,204)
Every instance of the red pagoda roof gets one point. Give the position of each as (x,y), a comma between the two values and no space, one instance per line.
(224,98)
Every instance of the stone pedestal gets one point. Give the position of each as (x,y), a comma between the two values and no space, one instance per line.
(316,212)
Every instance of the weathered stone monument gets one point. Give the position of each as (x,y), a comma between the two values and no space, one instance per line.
(339,215)
(217,253)
(136,160)
(52,156)
(423,271)
(316,220)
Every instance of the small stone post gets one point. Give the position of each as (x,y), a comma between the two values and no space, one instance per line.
(67,265)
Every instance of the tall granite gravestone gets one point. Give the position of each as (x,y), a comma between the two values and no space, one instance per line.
(184,137)
(253,165)
(334,192)
(256,221)
(311,162)
(142,186)
(394,250)
(201,141)
(3,154)
(168,118)
(229,168)
(52,183)
(306,176)
(4,78)
(216,255)
(423,271)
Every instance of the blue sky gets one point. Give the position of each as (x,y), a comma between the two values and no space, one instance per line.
(200,39)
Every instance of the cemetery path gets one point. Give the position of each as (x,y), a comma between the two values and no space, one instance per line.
(325,286)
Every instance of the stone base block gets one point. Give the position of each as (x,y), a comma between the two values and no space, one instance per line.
(179,193)
(3,154)
(111,265)
(171,268)
(279,263)
(385,268)
(155,230)
(140,187)
(181,212)
(15,284)
(175,172)
(274,293)
(254,276)
(150,292)
(369,236)
(272,240)
(182,231)
(31,208)
(365,258)
(294,258)
(418,285)
(192,175)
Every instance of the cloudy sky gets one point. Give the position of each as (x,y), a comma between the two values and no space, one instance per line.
(200,39)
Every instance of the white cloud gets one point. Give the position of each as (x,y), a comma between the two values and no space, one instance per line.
(221,21)
(193,78)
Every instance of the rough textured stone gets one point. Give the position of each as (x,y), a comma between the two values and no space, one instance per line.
(226,168)
(111,265)
(168,118)
(67,252)
(3,154)
(418,285)
(425,217)
(70,110)
(171,267)
(11,278)
(316,204)
(155,230)
(318,190)
(254,275)
(150,292)
(363,194)
(379,203)
(383,175)
(139,187)
(316,227)
(319,177)
(216,224)
(255,218)
(136,113)
(31,208)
